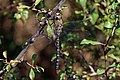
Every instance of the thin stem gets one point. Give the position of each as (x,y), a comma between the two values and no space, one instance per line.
(107,42)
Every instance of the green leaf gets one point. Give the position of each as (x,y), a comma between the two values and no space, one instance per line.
(25,14)
(17,16)
(53,58)
(108,25)
(66,53)
(34,58)
(5,54)
(117,32)
(102,57)
(24,7)
(37,2)
(113,56)
(38,68)
(102,11)
(49,31)
(100,71)
(62,45)
(114,5)
(1,59)
(78,12)
(62,76)
(15,61)
(88,78)
(95,5)
(95,16)
(111,47)
(85,41)
(100,26)
(114,75)
(118,67)
(32,74)
(113,65)
(8,67)
(83,3)
(42,18)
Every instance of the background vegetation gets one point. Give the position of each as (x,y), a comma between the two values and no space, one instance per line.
(90,39)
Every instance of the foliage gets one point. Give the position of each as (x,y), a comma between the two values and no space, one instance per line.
(94,18)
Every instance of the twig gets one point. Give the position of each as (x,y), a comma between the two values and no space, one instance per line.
(29,64)
(39,31)
(91,68)
(110,36)
(3,71)
(91,75)
(107,42)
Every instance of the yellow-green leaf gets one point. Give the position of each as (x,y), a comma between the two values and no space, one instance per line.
(25,14)
(5,54)
(78,12)
(38,68)
(113,56)
(88,77)
(24,7)
(111,47)
(83,3)
(32,74)
(108,24)
(66,53)
(49,31)
(53,58)
(113,74)
(95,16)
(1,59)
(100,71)
(85,41)
(95,5)
(15,61)
(17,16)
(8,67)
(37,2)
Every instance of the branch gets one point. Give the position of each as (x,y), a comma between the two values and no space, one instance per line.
(39,31)
(93,74)
(111,35)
